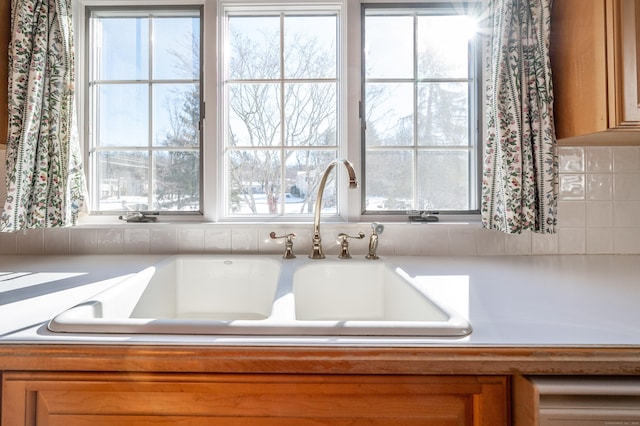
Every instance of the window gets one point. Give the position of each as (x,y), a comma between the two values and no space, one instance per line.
(281,115)
(278,107)
(144,109)
(419,104)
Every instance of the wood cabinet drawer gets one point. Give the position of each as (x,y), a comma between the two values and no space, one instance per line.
(237,399)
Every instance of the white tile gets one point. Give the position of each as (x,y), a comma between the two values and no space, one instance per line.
(435,240)
(518,244)
(626,240)
(84,240)
(8,243)
(244,240)
(626,159)
(544,243)
(626,214)
(163,240)
(408,241)
(57,241)
(462,240)
(572,187)
(31,241)
(190,240)
(571,241)
(599,159)
(599,240)
(599,214)
(110,240)
(571,159)
(626,187)
(217,239)
(599,187)
(490,242)
(571,214)
(136,240)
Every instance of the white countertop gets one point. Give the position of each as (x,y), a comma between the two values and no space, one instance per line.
(511,301)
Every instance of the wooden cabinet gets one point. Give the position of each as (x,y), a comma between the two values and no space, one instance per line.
(42,398)
(4,43)
(595,48)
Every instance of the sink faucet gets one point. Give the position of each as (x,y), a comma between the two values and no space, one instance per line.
(316,249)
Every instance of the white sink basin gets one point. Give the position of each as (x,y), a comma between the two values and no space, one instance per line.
(192,294)
(203,287)
(261,295)
(359,292)
(367,298)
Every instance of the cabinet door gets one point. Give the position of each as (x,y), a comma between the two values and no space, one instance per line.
(594,57)
(72,399)
(626,36)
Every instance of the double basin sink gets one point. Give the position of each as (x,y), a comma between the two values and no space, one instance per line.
(262,295)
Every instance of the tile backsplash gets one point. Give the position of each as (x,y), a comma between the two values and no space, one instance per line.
(598,213)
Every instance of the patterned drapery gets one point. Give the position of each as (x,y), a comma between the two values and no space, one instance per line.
(45,182)
(519,187)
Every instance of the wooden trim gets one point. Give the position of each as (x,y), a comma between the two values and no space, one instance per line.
(325,360)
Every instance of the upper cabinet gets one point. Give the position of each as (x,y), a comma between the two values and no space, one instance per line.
(4,44)
(595,47)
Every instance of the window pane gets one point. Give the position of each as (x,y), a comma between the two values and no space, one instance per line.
(122,180)
(254,182)
(426,108)
(254,47)
(123,115)
(176,48)
(277,119)
(443,180)
(389,114)
(310,46)
(254,114)
(133,113)
(389,180)
(443,46)
(177,180)
(443,114)
(303,173)
(176,115)
(389,46)
(310,114)
(124,51)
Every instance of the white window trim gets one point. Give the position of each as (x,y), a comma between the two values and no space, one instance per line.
(240,6)
(349,105)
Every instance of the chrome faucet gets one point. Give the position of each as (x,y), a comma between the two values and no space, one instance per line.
(316,249)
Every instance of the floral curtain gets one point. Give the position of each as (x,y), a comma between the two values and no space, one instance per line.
(519,190)
(44,179)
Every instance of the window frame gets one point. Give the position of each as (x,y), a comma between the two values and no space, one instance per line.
(251,8)
(475,108)
(83,76)
(352,202)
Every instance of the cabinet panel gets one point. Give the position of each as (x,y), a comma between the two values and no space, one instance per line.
(80,399)
(594,58)
(627,43)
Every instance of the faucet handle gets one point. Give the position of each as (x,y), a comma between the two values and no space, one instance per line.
(288,243)
(344,243)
